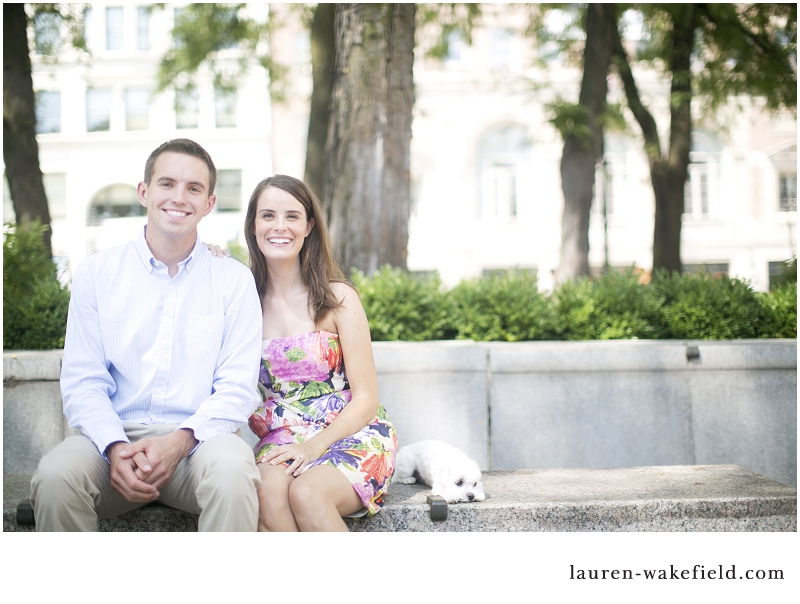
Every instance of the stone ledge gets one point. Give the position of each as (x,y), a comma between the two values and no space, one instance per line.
(32,365)
(657,498)
(620,356)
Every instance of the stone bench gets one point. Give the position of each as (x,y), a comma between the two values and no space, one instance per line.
(655,498)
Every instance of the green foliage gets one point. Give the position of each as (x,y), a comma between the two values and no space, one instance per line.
(781,309)
(559,30)
(400,306)
(708,307)
(613,306)
(571,119)
(749,49)
(56,16)
(450,18)
(504,307)
(202,30)
(239,252)
(35,304)
(789,273)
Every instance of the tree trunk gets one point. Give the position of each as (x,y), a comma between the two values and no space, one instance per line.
(582,153)
(670,177)
(367,180)
(20,149)
(322,49)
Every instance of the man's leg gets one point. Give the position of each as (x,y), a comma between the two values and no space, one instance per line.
(71,488)
(219,481)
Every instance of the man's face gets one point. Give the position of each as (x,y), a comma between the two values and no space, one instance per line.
(177,197)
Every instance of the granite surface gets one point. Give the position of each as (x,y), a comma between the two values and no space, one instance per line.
(658,498)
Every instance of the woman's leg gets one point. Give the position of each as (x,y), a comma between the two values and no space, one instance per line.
(320,496)
(274,513)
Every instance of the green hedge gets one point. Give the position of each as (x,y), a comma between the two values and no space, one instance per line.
(35,303)
(615,305)
(504,307)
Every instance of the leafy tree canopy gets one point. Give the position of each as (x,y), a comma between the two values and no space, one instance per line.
(203,31)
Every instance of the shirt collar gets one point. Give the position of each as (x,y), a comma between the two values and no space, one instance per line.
(198,251)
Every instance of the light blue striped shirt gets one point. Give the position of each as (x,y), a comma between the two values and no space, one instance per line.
(144,348)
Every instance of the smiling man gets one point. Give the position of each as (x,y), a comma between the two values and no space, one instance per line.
(160,369)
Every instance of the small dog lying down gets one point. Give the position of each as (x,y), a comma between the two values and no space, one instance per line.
(442,467)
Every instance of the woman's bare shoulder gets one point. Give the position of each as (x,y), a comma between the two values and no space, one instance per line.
(343,291)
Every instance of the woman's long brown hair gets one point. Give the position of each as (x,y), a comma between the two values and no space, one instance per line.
(317,266)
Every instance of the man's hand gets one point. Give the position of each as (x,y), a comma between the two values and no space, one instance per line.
(156,458)
(123,474)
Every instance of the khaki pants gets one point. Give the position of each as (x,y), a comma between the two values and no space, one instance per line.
(71,488)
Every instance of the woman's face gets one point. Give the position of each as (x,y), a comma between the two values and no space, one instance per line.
(281,225)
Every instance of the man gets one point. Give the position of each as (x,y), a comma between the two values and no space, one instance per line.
(160,369)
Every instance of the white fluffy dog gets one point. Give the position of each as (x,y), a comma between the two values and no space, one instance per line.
(442,467)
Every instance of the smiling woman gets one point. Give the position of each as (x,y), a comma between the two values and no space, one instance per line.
(327,447)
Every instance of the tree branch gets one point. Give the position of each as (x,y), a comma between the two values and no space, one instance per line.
(640,112)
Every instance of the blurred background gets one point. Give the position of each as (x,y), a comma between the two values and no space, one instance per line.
(484,105)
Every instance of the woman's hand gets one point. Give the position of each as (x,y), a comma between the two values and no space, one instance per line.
(217,251)
(300,454)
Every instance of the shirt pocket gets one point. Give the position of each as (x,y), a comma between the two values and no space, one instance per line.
(204,340)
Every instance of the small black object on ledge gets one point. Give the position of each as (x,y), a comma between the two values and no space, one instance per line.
(25,514)
(438,507)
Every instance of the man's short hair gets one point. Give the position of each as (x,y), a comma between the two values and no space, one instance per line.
(186,147)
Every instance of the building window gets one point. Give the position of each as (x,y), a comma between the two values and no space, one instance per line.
(700,189)
(187,112)
(502,155)
(229,190)
(115,201)
(56,190)
(611,176)
(695,192)
(47,30)
(143,28)
(137,108)
(225,107)
(719,268)
(500,52)
(48,112)
(499,191)
(88,28)
(114,28)
(98,110)
(787,184)
(455,47)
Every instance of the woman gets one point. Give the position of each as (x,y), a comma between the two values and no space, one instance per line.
(327,447)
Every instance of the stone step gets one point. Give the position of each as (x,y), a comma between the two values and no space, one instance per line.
(656,498)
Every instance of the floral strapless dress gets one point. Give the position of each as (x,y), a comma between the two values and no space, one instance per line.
(303,388)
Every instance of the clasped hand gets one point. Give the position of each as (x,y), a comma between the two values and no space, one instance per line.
(300,454)
(139,470)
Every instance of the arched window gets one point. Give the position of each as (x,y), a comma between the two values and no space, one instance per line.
(114,201)
(701,187)
(502,153)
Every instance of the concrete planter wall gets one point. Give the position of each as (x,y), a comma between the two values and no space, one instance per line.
(533,404)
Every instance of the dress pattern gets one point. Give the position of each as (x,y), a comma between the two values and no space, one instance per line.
(303,386)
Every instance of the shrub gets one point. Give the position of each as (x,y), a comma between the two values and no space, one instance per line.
(400,306)
(35,303)
(708,307)
(781,309)
(614,305)
(506,307)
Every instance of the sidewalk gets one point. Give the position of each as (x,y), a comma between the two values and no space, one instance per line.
(656,498)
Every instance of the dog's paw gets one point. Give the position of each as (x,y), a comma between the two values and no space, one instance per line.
(404,479)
